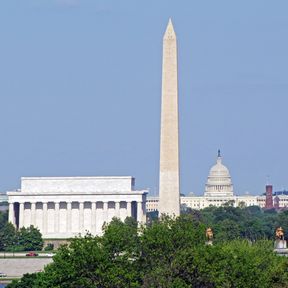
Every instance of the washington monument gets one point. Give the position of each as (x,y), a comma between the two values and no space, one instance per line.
(169,195)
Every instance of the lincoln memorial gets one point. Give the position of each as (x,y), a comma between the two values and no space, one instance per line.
(63,207)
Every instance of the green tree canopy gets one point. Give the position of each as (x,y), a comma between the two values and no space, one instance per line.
(167,253)
(3,218)
(8,237)
(30,238)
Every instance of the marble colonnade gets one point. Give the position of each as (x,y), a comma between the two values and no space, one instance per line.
(69,218)
(63,207)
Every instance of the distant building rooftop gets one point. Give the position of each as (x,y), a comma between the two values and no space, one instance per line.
(3,198)
(283,192)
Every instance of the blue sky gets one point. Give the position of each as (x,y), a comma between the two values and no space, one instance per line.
(80,89)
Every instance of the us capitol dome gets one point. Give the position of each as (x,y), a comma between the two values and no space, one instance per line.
(219,183)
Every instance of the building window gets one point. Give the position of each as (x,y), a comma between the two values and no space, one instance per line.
(50,205)
(87,205)
(123,205)
(111,205)
(27,205)
(39,205)
(99,205)
(75,205)
(62,205)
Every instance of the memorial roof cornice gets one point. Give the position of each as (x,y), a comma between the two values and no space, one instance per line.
(23,193)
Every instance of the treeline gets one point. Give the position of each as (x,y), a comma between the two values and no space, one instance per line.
(24,239)
(227,223)
(251,223)
(166,253)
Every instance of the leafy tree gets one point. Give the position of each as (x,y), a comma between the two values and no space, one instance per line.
(233,264)
(30,238)
(8,237)
(121,237)
(108,261)
(49,247)
(229,203)
(167,253)
(165,238)
(282,220)
(247,222)
(242,204)
(3,218)
(227,230)
(254,211)
(28,280)
(81,264)
(26,239)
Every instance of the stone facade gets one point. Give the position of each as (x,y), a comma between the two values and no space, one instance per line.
(63,207)
(169,151)
(201,202)
(219,183)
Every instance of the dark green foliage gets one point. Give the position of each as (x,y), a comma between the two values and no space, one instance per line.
(97,262)
(233,264)
(167,253)
(3,218)
(163,239)
(30,239)
(27,281)
(26,239)
(49,247)
(251,223)
(8,237)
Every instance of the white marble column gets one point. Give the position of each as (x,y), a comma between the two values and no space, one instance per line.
(93,218)
(33,214)
(105,212)
(12,214)
(144,212)
(21,215)
(129,211)
(117,209)
(81,217)
(68,218)
(56,217)
(139,212)
(44,218)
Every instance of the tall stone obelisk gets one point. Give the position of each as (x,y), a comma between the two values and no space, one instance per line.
(169,195)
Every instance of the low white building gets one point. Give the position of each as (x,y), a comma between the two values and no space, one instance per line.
(3,198)
(201,202)
(152,203)
(63,207)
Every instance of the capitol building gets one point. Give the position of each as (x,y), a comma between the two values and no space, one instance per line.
(218,191)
